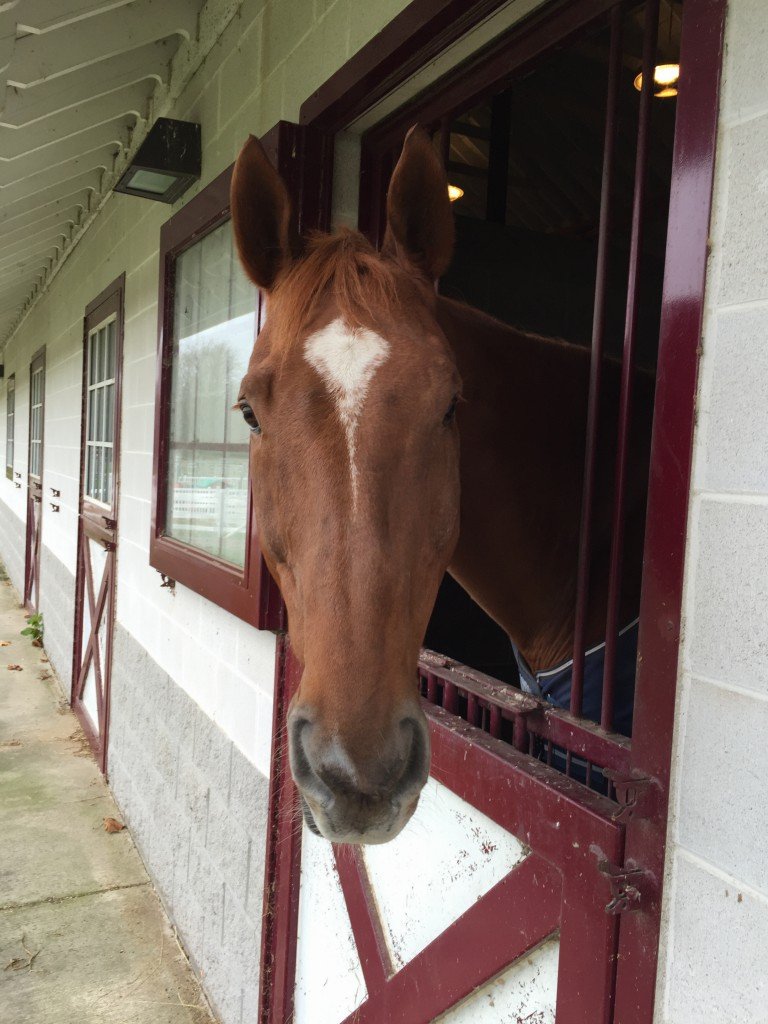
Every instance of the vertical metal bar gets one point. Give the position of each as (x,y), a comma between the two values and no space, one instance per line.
(596,361)
(449,698)
(651,29)
(495,723)
(472,709)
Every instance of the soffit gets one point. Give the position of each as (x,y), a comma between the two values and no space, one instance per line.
(78,79)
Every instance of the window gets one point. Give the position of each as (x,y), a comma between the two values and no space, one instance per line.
(10,424)
(100,414)
(203,534)
(36,384)
(214,324)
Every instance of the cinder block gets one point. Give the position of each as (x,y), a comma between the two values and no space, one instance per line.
(745,86)
(724,739)
(212,755)
(193,794)
(228,845)
(728,638)
(737,411)
(248,793)
(181,713)
(710,980)
(744,255)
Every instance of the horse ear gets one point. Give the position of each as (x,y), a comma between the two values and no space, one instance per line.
(419,219)
(261,213)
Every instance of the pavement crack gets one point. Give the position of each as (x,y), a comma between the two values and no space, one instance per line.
(73,896)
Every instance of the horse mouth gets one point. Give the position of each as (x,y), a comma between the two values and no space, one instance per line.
(309,820)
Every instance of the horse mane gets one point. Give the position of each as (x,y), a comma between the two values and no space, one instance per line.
(365,285)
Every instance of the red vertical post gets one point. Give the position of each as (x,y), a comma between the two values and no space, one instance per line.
(596,361)
(651,29)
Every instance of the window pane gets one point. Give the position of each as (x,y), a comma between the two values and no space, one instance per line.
(109,412)
(214,328)
(110,371)
(92,348)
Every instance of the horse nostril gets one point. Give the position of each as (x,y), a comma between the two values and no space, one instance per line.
(416,768)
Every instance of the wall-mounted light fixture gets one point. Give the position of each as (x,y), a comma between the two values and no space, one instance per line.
(166,163)
(455,192)
(665,79)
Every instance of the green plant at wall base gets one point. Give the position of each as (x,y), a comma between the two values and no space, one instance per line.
(34,629)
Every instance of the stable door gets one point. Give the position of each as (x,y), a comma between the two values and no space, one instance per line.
(34,481)
(97,521)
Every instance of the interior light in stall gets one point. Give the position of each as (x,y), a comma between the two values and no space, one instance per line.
(454,193)
(665,79)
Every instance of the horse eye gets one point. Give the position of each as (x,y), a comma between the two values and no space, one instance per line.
(250,418)
(450,416)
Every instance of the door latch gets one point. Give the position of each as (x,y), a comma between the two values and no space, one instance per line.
(626,887)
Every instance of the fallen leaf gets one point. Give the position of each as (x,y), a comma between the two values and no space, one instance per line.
(15,668)
(113,825)
(5,643)
(37,642)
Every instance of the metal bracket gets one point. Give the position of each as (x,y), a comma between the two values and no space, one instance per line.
(55,492)
(54,507)
(111,524)
(624,882)
(635,793)
(167,582)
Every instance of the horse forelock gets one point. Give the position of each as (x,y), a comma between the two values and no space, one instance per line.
(365,287)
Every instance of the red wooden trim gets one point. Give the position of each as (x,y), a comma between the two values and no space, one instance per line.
(93,523)
(518,913)
(283,859)
(420,32)
(34,525)
(363,916)
(669,486)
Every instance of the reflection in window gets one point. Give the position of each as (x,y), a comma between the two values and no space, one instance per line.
(36,422)
(101,413)
(10,425)
(214,324)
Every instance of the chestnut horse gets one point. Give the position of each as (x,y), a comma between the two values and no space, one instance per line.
(397,434)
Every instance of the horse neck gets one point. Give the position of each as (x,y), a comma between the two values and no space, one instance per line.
(522,445)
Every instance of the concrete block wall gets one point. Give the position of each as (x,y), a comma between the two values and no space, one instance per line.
(197,810)
(716,902)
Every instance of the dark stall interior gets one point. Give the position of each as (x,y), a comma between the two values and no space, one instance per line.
(529,162)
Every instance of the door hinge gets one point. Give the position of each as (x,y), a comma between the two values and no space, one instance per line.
(626,887)
(636,795)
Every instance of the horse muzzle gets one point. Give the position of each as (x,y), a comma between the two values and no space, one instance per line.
(367,798)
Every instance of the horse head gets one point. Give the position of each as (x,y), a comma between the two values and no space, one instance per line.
(350,396)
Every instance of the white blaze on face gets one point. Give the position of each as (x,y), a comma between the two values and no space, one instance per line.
(347,359)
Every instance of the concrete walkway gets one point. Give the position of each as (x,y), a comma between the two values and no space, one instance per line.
(83,937)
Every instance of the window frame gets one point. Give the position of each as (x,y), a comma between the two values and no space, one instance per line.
(10,424)
(249,592)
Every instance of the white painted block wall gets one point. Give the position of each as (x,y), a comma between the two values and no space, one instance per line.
(713,967)
(243,86)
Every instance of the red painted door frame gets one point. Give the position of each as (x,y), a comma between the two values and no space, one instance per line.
(98,524)
(34,525)
(379,67)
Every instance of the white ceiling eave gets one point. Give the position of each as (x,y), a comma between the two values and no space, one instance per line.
(80,80)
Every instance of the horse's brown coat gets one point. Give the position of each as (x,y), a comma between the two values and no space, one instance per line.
(501,508)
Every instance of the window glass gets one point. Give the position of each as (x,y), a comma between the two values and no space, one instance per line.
(214,324)
(100,419)
(36,422)
(10,425)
